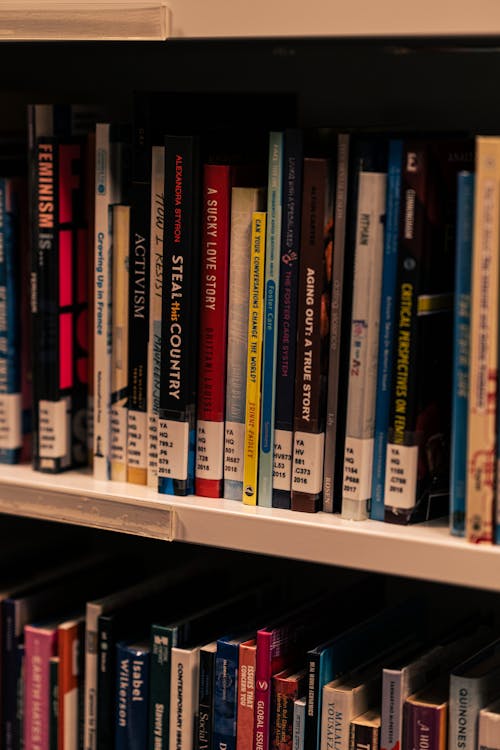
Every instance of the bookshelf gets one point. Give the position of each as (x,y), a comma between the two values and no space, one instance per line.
(403,83)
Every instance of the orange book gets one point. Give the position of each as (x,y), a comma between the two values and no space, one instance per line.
(70,635)
(246,695)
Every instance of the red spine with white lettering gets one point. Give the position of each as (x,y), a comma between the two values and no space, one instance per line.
(216,213)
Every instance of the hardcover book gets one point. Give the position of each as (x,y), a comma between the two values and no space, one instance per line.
(216,214)
(312,336)
(180,305)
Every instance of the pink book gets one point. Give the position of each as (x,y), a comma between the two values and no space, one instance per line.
(40,644)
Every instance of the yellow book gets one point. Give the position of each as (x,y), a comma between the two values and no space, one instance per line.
(254,358)
(483,344)
(119,346)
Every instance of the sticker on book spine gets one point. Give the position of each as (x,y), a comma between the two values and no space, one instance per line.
(173,449)
(209,449)
(307,475)
(137,440)
(54,428)
(10,421)
(119,434)
(358,460)
(401,476)
(282,460)
(234,443)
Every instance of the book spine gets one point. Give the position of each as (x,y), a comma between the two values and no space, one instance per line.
(335,320)
(335,722)
(254,361)
(312,337)
(299,719)
(312,714)
(287,319)
(206,701)
(262,691)
(163,639)
(481,432)
(93,611)
(119,350)
(39,647)
(225,696)
(284,696)
(216,214)
(402,450)
(54,703)
(365,323)
(11,429)
(179,317)
(244,201)
(132,676)
(70,685)
(465,703)
(106,682)
(391,731)
(184,688)
(387,317)
(102,304)
(26,362)
(246,696)
(425,726)
(270,330)
(489,730)
(458,474)
(155,301)
(364,737)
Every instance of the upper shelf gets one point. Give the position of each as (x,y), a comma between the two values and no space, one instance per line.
(426,551)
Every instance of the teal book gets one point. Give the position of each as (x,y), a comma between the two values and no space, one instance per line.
(270,337)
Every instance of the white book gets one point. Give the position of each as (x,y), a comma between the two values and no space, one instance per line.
(489,727)
(155,292)
(244,201)
(299,721)
(365,322)
(129,19)
(343,700)
(184,696)
(107,192)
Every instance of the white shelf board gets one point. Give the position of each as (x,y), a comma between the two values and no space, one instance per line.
(425,551)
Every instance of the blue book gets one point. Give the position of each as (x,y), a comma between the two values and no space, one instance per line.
(11,431)
(270,338)
(226,693)
(387,312)
(461,324)
(287,319)
(132,699)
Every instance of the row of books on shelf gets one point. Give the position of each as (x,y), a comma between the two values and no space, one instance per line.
(202,658)
(279,331)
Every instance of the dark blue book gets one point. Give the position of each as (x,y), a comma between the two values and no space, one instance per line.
(461,323)
(11,432)
(132,696)
(287,318)
(387,312)
(226,692)
(180,303)
(204,729)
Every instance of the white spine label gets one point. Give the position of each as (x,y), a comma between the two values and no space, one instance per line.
(209,449)
(119,434)
(153,450)
(137,422)
(282,460)
(401,476)
(308,451)
(234,443)
(10,421)
(358,459)
(173,449)
(54,428)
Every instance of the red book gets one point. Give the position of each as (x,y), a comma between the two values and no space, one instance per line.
(214,279)
(70,637)
(288,685)
(40,644)
(246,695)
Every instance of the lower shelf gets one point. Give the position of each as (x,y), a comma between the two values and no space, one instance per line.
(425,551)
